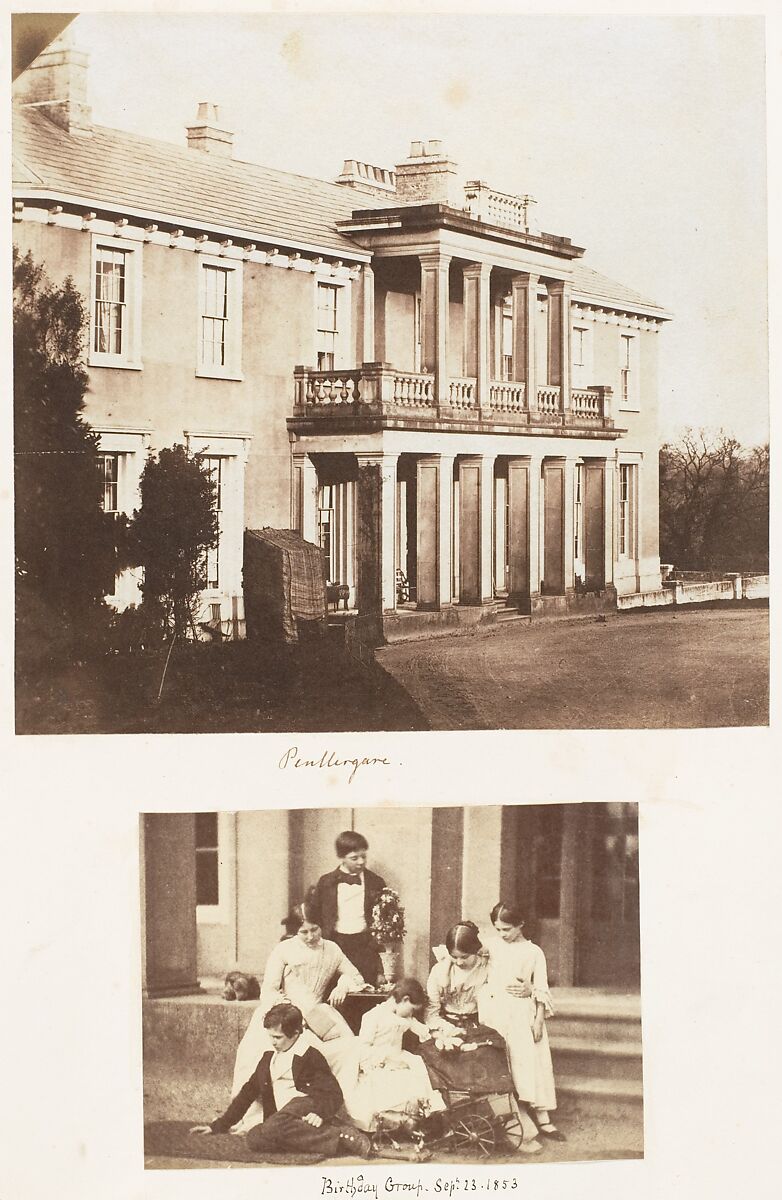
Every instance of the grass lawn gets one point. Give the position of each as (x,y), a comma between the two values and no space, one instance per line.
(237,687)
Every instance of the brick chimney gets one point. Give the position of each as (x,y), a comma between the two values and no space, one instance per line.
(363,177)
(207,135)
(428,176)
(55,84)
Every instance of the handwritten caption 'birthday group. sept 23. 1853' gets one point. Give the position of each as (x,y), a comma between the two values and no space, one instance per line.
(330,760)
(357,1186)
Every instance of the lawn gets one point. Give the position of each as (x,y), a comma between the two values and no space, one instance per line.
(237,687)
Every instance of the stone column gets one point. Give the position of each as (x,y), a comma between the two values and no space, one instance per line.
(376,532)
(487,527)
(368,313)
(477,278)
(434,501)
(594,503)
(169,904)
(524,531)
(570,525)
(525,305)
(476,503)
(434,320)
(559,338)
(304,496)
(609,476)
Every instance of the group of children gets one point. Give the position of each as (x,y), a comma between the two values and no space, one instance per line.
(304,1083)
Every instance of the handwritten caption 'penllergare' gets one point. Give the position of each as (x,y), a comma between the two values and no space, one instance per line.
(358,1185)
(330,760)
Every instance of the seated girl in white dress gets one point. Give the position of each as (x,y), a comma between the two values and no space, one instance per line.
(301,970)
(391,1079)
(516,1001)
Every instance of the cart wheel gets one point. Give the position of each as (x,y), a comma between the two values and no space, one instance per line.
(512,1130)
(476,1133)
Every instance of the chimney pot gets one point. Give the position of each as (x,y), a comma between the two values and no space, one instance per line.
(207,135)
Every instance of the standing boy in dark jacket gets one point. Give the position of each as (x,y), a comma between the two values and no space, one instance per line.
(299,1094)
(343,900)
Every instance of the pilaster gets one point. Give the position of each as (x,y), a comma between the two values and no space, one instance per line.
(524,308)
(368,313)
(559,339)
(304,496)
(434,320)
(477,279)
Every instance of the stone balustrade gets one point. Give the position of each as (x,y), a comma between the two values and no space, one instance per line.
(462,393)
(379,389)
(507,397)
(499,208)
(549,400)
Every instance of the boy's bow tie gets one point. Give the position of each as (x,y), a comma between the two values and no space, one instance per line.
(345,878)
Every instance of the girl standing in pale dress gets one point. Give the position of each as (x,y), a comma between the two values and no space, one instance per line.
(300,970)
(390,1078)
(516,1001)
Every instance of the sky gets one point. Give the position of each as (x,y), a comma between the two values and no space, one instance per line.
(642,138)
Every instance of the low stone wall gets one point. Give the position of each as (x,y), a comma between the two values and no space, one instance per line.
(756,587)
(655,599)
(676,591)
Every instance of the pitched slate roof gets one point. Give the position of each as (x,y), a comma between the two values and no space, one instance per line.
(115,169)
(120,170)
(594,286)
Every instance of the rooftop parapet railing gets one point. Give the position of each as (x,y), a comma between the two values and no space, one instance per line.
(485,203)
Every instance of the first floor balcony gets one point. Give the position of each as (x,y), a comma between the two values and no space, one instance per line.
(377,395)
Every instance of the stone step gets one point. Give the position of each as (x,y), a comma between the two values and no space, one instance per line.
(596,1097)
(602,1059)
(594,1029)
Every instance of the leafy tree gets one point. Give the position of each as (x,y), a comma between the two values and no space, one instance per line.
(713,503)
(172,531)
(65,543)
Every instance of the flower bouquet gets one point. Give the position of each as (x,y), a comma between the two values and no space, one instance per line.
(387,927)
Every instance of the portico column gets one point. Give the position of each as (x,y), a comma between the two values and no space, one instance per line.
(524,531)
(169,904)
(594,505)
(524,310)
(477,278)
(376,532)
(434,320)
(559,338)
(570,524)
(434,493)
(304,496)
(368,313)
(476,502)
(608,519)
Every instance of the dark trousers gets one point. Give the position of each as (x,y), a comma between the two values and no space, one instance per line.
(285,1131)
(362,952)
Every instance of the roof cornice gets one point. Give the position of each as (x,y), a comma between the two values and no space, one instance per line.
(118,208)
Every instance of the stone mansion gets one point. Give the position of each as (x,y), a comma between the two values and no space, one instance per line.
(400,366)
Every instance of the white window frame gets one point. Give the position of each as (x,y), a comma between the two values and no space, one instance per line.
(220,913)
(628,371)
(215,463)
(232,367)
(342,320)
(129,357)
(506,341)
(627,511)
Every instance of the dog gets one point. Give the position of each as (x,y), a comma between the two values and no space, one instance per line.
(239,986)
